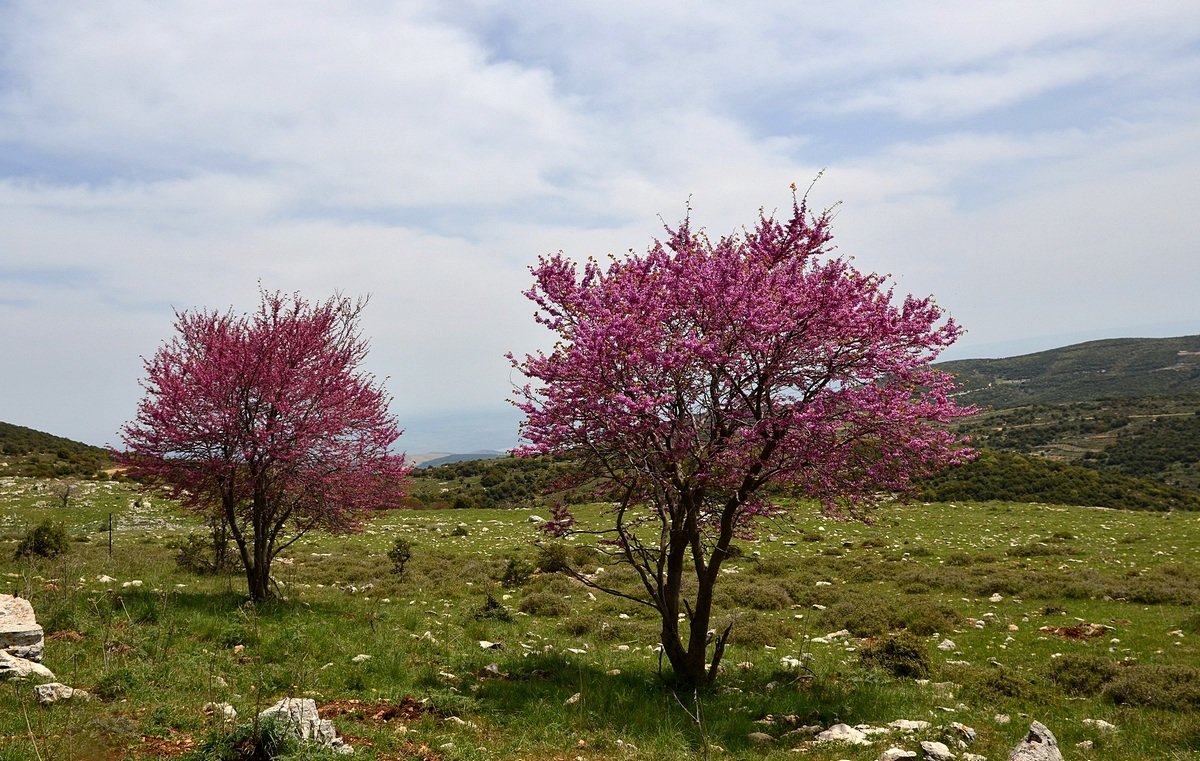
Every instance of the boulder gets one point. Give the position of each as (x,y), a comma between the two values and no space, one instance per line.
(20,633)
(1039,745)
(12,667)
(300,714)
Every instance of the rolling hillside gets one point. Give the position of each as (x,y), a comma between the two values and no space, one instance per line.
(28,452)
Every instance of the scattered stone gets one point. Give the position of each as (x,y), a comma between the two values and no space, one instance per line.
(483,643)
(20,634)
(947,645)
(53,692)
(973,757)
(839,634)
(996,597)
(1099,724)
(360,658)
(1001,718)
(1085,745)
(843,733)
(300,715)
(105,579)
(12,667)
(760,738)
(961,733)
(909,725)
(227,712)
(133,583)
(895,754)
(1039,745)
(573,699)
(936,751)
(535,519)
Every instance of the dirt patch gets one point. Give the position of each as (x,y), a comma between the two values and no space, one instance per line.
(1078,631)
(373,712)
(166,747)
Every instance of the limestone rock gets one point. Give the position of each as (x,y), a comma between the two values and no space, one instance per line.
(227,712)
(1039,745)
(896,754)
(909,725)
(760,738)
(300,714)
(947,645)
(20,633)
(12,667)
(843,733)
(1099,724)
(935,751)
(53,692)
(961,733)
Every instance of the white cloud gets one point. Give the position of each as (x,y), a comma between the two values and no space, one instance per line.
(159,155)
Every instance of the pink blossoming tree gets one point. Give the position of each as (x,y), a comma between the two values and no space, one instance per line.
(265,423)
(691,377)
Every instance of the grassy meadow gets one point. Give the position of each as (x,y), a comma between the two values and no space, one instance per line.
(550,670)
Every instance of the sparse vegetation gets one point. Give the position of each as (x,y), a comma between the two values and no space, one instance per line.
(155,654)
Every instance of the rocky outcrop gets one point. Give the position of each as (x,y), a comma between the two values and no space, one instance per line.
(20,634)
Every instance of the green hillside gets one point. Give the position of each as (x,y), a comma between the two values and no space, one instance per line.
(1119,367)
(28,452)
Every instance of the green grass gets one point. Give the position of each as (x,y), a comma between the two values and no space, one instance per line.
(158,652)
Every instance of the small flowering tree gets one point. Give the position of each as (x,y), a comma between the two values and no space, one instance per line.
(265,422)
(691,377)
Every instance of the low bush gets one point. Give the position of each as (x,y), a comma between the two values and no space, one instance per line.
(901,655)
(544,604)
(517,572)
(400,554)
(1174,688)
(1081,674)
(48,539)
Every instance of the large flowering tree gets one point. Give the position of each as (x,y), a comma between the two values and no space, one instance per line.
(265,423)
(692,376)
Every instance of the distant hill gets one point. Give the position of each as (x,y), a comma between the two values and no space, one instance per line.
(433,461)
(1118,367)
(1128,406)
(28,452)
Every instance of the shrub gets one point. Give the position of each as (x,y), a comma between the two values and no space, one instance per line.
(901,655)
(924,618)
(115,684)
(516,573)
(1080,674)
(545,604)
(1168,687)
(195,553)
(760,631)
(46,540)
(266,739)
(400,554)
(492,609)
(553,557)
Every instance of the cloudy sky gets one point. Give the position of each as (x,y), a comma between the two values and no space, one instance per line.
(1035,166)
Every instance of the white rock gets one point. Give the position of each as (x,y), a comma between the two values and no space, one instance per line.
(1099,724)
(995,597)
(133,583)
(962,733)
(300,715)
(227,712)
(573,699)
(53,692)
(909,725)
(360,658)
(843,733)
(895,754)
(20,633)
(1039,744)
(947,645)
(839,634)
(935,751)
(12,667)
